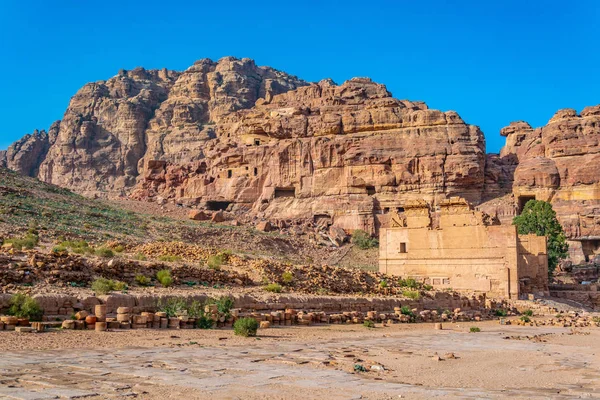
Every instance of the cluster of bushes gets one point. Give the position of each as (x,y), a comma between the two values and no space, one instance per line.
(24,306)
(26,242)
(274,288)
(363,240)
(196,309)
(105,286)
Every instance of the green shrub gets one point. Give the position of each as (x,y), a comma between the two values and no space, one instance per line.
(406,310)
(224,305)
(172,306)
(59,249)
(102,286)
(427,287)
(363,240)
(140,257)
(409,283)
(203,322)
(411,294)
(273,288)
(525,318)
(216,261)
(24,306)
(528,313)
(245,327)
(119,249)
(501,313)
(196,310)
(119,286)
(383,284)
(474,329)
(164,277)
(142,280)
(287,277)
(104,252)
(169,258)
(27,242)
(369,324)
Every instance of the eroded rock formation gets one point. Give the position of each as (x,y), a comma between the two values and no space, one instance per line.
(560,163)
(234,135)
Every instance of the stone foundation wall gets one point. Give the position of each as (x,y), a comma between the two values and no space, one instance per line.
(64,306)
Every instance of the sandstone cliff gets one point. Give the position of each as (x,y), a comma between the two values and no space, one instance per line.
(234,135)
(560,163)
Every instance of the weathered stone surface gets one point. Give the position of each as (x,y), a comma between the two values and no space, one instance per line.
(26,154)
(559,163)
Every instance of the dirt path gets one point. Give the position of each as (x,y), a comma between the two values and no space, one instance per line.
(305,363)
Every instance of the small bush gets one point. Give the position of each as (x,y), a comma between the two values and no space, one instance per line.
(369,324)
(525,318)
(102,286)
(119,249)
(140,257)
(164,277)
(216,261)
(24,306)
(287,277)
(27,242)
(409,283)
(501,313)
(224,305)
(172,306)
(59,249)
(427,287)
(411,294)
(142,280)
(104,252)
(273,288)
(405,310)
(474,329)
(528,313)
(120,286)
(363,240)
(245,327)
(169,258)
(383,284)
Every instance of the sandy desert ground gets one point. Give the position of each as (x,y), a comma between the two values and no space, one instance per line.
(401,361)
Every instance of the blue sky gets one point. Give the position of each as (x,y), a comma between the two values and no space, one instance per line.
(491,61)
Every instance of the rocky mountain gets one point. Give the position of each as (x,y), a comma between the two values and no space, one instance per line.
(234,135)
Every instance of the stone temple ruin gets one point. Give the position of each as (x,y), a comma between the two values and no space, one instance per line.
(462,249)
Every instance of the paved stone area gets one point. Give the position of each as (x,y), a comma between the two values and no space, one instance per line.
(494,364)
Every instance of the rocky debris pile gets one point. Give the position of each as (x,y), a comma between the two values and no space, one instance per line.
(337,280)
(62,269)
(571,319)
(184,251)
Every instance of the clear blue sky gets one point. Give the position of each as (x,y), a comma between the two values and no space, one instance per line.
(491,61)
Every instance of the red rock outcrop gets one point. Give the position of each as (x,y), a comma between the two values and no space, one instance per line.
(26,154)
(560,163)
(345,152)
(233,135)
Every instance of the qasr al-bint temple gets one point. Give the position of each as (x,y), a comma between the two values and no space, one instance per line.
(460,248)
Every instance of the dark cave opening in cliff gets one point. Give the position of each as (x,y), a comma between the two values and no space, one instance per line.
(217,205)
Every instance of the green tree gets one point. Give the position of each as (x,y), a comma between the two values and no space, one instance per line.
(538,217)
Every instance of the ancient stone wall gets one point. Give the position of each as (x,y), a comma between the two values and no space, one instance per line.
(464,252)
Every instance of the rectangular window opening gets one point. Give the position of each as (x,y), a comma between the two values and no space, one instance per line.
(402,247)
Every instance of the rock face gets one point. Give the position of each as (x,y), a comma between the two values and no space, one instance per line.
(346,153)
(231,135)
(560,163)
(26,154)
